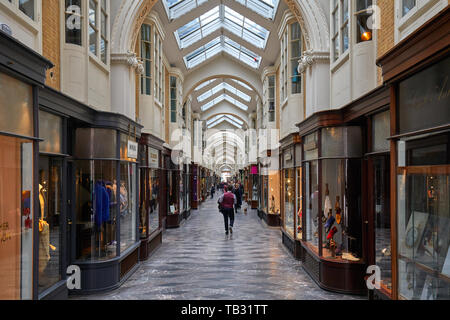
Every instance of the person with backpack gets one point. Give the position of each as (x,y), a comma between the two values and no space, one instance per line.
(227,201)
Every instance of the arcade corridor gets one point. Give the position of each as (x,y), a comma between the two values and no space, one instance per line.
(199,262)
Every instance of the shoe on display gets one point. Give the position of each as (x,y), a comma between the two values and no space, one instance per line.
(349,256)
(331,234)
(329,223)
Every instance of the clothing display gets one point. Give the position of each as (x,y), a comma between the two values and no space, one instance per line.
(332,233)
(327,206)
(337,209)
(102,203)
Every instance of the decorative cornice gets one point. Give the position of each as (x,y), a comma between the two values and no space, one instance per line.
(268,71)
(154,18)
(144,11)
(128,58)
(310,57)
(287,15)
(176,72)
(295,11)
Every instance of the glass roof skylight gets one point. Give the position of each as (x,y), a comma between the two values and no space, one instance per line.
(222,119)
(243,84)
(224,86)
(233,118)
(204,84)
(220,44)
(222,97)
(245,28)
(216,18)
(265,8)
(177,8)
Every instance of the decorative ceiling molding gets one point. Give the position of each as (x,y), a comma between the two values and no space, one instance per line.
(153,17)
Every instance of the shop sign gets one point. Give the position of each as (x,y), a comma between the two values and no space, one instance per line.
(132,149)
(153,158)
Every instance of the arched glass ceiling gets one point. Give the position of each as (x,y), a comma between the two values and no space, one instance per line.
(265,8)
(219,121)
(225,115)
(222,97)
(227,87)
(177,8)
(221,17)
(204,84)
(242,84)
(218,45)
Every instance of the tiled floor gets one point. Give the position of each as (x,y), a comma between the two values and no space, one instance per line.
(198,261)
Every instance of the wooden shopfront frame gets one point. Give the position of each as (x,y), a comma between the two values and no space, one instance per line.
(420,50)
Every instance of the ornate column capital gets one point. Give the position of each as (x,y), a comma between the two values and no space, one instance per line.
(129,58)
(310,57)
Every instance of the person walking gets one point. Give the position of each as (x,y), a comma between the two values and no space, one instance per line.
(227,201)
(213,190)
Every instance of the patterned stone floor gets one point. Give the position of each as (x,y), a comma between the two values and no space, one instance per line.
(199,262)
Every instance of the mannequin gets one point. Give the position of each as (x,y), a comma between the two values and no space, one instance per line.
(327,207)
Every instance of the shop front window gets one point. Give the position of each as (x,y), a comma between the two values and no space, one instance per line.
(154,200)
(299,204)
(265,189)
(96,204)
(312,202)
(181,191)
(144,199)
(423,182)
(341,215)
(127,205)
(289,200)
(382,214)
(255,188)
(49,211)
(274,192)
(172,192)
(16,216)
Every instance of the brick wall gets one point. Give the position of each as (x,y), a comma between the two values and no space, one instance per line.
(386,33)
(51,40)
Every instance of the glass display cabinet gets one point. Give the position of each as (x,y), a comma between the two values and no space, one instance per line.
(333,224)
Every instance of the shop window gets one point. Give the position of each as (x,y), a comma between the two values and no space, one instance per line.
(289,200)
(50,130)
(340,208)
(312,203)
(146,57)
(73,14)
(423,218)
(407,6)
(16,106)
(363,14)
(173,99)
(96,208)
(16,217)
(96,143)
(381,128)
(428,94)
(49,212)
(296,52)
(299,204)
(381,210)
(181,191)
(127,205)
(172,192)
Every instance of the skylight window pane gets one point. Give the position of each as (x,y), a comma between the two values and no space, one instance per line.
(204,84)
(242,84)
(213,51)
(182,7)
(199,28)
(265,8)
(234,119)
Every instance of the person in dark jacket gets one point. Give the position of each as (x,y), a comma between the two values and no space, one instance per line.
(213,190)
(227,201)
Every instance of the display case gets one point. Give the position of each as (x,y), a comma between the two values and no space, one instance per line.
(150,223)
(254,187)
(174,214)
(333,224)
